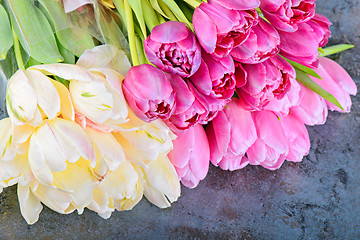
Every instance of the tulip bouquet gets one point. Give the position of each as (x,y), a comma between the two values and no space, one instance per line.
(110,101)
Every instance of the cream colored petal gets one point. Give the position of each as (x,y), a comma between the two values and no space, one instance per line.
(78,182)
(56,148)
(109,148)
(114,85)
(101,204)
(105,56)
(92,100)
(30,206)
(47,96)
(7,149)
(121,183)
(155,197)
(65,71)
(54,199)
(21,100)
(161,176)
(78,138)
(38,162)
(67,108)
(22,133)
(13,169)
(134,155)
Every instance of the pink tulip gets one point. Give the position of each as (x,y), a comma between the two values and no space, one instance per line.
(190,156)
(297,137)
(149,93)
(271,146)
(173,48)
(264,81)
(220,29)
(237,4)
(320,24)
(285,15)
(302,45)
(312,109)
(230,135)
(189,110)
(215,78)
(336,81)
(261,44)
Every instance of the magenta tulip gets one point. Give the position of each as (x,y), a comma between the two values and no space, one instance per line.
(271,146)
(261,44)
(297,137)
(220,29)
(264,81)
(189,110)
(149,93)
(230,135)
(320,24)
(190,156)
(285,15)
(215,78)
(336,81)
(238,4)
(173,48)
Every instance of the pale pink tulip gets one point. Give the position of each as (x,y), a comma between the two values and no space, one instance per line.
(190,156)
(230,135)
(271,146)
(336,81)
(297,137)
(312,109)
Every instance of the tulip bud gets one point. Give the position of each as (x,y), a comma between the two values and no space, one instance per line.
(286,15)
(149,93)
(219,29)
(173,48)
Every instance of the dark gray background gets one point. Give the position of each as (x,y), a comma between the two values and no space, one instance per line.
(316,199)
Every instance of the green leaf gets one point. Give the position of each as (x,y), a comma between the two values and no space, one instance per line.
(151,18)
(136,6)
(109,30)
(33,30)
(156,6)
(6,39)
(335,49)
(304,79)
(178,12)
(74,39)
(303,68)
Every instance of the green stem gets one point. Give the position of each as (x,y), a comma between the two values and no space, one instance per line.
(131,33)
(17,50)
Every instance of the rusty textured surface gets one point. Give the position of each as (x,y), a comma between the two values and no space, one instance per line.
(316,199)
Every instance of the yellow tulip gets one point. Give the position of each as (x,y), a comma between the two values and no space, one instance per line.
(62,156)
(120,190)
(147,143)
(162,186)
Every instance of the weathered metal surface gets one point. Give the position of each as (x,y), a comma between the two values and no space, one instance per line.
(316,199)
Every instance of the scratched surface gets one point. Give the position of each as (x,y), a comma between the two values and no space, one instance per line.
(316,199)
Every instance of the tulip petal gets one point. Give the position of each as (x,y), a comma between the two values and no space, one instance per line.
(105,56)
(30,206)
(65,71)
